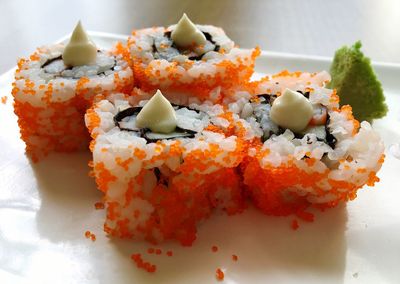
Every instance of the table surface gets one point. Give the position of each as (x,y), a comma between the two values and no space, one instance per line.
(311,27)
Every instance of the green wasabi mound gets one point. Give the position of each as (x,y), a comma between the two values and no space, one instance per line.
(356,83)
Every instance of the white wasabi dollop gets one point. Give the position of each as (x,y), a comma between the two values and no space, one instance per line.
(80,50)
(292,110)
(157,114)
(186,33)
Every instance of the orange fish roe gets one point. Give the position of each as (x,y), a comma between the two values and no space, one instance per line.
(4,99)
(93,237)
(235,257)
(88,234)
(150,250)
(219,274)
(295,225)
(140,263)
(214,248)
(99,205)
(267,188)
(158,251)
(349,113)
(169,253)
(305,216)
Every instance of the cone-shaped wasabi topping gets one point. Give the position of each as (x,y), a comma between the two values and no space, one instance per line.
(80,50)
(292,110)
(186,33)
(158,115)
(356,83)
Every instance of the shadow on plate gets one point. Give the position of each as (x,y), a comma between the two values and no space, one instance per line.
(267,247)
(67,196)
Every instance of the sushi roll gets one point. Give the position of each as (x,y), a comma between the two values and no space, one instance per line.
(309,152)
(163,167)
(188,58)
(57,83)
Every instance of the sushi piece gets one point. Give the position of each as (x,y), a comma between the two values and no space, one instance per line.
(57,83)
(310,152)
(163,167)
(190,59)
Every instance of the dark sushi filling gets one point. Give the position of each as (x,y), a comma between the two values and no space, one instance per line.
(164,48)
(261,112)
(56,68)
(121,117)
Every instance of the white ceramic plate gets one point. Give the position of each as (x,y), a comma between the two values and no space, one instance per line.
(45,209)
